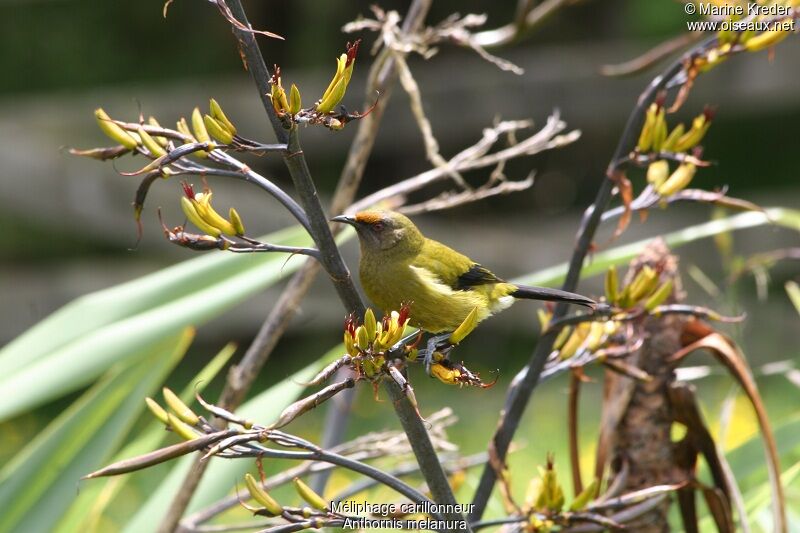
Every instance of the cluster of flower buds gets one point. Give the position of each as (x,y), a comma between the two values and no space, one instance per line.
(584,337)
(374,338)
(280,103)
(776,19)
(774,22)
(210,128)
(269,506)
(646,289)
(656,138)
(180,418)
(198,210)
(545,496)
(291,108)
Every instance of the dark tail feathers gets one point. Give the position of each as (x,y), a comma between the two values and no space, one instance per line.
(552,295)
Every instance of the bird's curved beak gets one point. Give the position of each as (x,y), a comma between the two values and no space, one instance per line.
(344,219)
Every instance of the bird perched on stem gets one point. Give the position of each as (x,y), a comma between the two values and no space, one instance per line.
(399,264)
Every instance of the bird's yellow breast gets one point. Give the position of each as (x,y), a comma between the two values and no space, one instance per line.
(435,306)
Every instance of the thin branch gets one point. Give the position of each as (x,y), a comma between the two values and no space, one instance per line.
(415,98)
(247,174)
(652,56)
(520,392)
(621,517)
(476,157)
(525,21)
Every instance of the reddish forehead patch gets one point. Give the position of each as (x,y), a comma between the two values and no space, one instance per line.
(368,217)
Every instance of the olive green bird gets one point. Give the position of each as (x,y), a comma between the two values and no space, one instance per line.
(399,264)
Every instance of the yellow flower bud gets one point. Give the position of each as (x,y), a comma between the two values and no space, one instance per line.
(657,172)
(678,180)
(643,284)
(217,130)
(362,339)
(160,140)
(646,136)
(574,342)
(181,428)
(766,39)
(349,344)
(659,296)
(295,104)
(236,221)
(310,496)
(199,128)
(562,337)
(544,318)
(659,130)
(157,410)
(692,138)
(370,326)
(114,130)
(155,149)
(676,133)
(262,496)
(183,128)
(585,496)
(219,116)
(181,410)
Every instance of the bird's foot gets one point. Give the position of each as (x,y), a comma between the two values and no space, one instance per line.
(438,344)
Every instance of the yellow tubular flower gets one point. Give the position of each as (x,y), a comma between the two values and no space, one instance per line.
(338,85)
(202,201)
(191,213)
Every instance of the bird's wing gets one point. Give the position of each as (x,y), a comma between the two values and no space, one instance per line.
(453,269)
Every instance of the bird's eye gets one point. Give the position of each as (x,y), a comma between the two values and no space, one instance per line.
(378,226)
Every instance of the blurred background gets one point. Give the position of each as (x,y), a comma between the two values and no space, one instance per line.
(68,227)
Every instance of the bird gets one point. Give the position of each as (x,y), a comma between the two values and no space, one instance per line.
(400,265)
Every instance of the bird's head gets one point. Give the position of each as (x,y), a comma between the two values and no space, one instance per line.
(384,230)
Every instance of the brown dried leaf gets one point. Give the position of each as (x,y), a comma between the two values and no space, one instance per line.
(727,353)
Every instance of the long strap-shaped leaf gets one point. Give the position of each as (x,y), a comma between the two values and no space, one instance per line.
(40,483)
(88,336)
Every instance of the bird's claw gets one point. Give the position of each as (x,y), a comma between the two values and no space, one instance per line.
(436,344)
